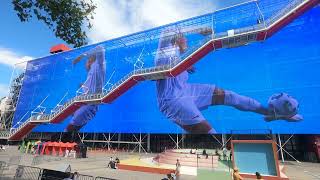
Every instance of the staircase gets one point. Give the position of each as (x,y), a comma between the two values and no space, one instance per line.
(239,37)
(187,159)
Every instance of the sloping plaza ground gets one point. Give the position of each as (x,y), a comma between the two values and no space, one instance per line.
(96,165)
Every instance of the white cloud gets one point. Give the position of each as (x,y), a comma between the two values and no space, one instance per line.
(10,57)
(117,18)
(4,89)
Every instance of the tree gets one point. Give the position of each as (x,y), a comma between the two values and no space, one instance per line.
(67,18)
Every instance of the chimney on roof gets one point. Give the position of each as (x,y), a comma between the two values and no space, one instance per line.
(59,48)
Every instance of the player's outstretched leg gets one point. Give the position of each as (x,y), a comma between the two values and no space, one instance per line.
(243,103)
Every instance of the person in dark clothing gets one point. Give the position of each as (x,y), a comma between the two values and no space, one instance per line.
(259,176)
(204,153)
(117,160)
(169,177)
(112,163)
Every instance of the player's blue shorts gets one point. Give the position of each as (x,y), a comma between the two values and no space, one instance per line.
(84,114)
(186,110)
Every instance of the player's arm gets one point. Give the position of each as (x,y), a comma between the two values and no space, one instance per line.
(94,51)
(78,59)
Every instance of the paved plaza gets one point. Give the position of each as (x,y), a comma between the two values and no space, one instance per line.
(96,165)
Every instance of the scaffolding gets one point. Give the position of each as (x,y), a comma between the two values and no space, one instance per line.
(11,101)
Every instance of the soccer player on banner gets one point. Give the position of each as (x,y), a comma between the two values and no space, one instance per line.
(96,68)
(182,102)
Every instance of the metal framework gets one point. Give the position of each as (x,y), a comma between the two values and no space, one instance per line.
(282,150)
(177,140)
(274,17)
(138,141)
(276,138)
(6,117)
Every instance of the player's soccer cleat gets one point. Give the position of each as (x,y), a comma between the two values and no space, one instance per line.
(283,107)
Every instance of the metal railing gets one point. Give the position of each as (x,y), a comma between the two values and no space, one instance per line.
(284,11)
(84,177)
(27,172)
(22,172)
(4,134)
(103,178)
(264,24)
(212,158)
(19,172)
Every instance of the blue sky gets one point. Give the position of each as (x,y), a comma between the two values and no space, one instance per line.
(24,41)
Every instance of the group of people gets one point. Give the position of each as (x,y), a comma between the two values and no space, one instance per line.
(224,156)
(71,153)
(236,174)
(113,164)
(204,152)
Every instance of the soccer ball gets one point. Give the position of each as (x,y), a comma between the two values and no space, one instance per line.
(283,104)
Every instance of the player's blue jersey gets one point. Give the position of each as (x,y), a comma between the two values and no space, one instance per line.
(173,87)
(179,100)
(93,84)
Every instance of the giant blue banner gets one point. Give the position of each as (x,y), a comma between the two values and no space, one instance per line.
(269,86)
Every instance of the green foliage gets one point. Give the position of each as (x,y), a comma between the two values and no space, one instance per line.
(67,18)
